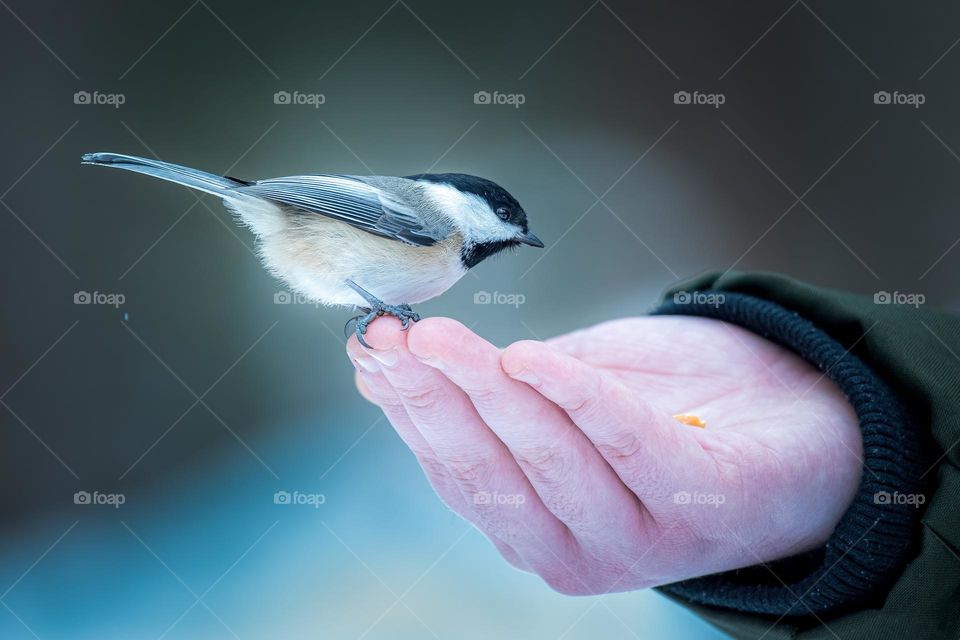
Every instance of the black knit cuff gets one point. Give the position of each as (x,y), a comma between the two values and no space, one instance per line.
(874,538)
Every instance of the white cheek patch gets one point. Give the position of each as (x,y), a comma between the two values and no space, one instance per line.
(469,213)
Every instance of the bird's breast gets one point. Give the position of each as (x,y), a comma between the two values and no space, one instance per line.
(315,256)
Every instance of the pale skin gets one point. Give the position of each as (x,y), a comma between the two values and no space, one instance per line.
(565,454)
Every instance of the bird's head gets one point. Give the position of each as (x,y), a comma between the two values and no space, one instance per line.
(486,215)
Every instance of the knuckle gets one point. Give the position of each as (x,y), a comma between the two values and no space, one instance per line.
(621,447)
(591,574)
(546,463)
(472,473)
(584,402)
(589,390)
(422,398)
(550,469)
(565,582)
(485,397)
(434,469)
(511,556)
(625,452)
(495,524)
(572,511)
(389,403)
(588,399)
(550,472)
(578,403)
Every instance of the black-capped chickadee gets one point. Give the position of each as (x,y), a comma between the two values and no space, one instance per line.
(405,239)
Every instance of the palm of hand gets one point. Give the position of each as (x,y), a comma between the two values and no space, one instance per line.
(616,495)
(779,433)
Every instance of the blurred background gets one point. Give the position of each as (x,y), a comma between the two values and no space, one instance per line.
(159,388)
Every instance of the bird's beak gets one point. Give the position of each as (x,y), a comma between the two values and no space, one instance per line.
(530,239)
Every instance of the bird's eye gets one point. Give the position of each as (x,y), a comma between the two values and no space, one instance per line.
(503,213)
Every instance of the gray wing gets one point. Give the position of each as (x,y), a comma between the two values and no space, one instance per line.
(353,201)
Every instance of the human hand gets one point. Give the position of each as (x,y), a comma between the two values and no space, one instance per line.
(564,453)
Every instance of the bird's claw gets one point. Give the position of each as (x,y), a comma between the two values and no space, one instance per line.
(406,314)
(346,326)
(378,308)
(361,328)
(402,312)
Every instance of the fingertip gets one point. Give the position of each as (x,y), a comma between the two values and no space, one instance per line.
(518,356)
(353,347)
(432,336)
(363,388)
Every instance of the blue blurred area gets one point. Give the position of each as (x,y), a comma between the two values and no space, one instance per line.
(380,558)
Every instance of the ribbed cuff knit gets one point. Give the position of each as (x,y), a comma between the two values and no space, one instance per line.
(874,538)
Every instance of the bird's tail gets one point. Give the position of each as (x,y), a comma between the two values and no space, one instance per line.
(217,185)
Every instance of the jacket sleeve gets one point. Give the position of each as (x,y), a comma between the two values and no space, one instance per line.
(892,566)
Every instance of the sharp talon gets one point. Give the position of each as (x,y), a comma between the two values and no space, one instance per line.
(361,340)
(346,330)
(361,328)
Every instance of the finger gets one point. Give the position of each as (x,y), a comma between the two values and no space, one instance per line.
(382,394)
(501,501)
(362,386)
(375,388)
(567,472)
(649,451)
(379,391)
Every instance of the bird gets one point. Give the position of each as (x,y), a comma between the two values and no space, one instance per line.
(376,243)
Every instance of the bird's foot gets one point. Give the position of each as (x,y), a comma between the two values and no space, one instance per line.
(376,309)
(401,311)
